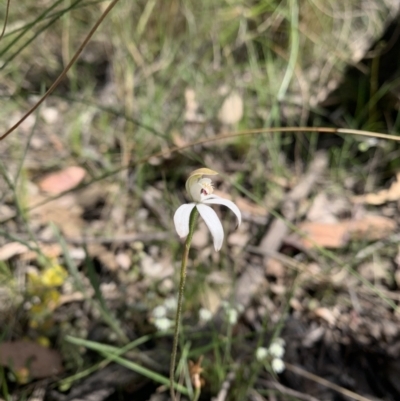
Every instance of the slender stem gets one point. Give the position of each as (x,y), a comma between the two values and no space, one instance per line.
(197,393)
(185,256)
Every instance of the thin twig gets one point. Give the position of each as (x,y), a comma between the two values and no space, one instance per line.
(326,383)
(120,239)
(63,73)
(216,138)
(288,391)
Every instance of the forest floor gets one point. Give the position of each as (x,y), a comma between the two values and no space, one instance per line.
(301,302)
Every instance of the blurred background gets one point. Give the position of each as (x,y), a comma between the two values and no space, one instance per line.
(89,182)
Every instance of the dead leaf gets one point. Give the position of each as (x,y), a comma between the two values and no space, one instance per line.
(63,180)
(12,249)
(41,362)
(49,250)
(336,235)
(372,227)
(328,235)
(326,314)
(383,196)
(231,111)
(63,212)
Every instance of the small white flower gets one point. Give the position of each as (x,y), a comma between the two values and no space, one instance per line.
(163,323)
(277,349)
(278,366)
(205,315)
(261,354)
(200,189)
(159,312)
(170,304)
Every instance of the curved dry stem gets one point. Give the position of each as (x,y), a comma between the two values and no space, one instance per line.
(175,149)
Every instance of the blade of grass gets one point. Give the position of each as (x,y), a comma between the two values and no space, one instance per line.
(65,70)
(5,19)
(112,354)
(28,27)
(294,49)
(30,40)
(118,351)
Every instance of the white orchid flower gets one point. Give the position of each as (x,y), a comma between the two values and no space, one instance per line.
(200,189)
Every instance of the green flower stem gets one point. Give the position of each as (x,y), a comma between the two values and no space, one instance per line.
(197,392)
(185,257)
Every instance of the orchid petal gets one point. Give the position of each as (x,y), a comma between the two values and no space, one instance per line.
(182,217)
(217,200)
(195,191)
(213,224)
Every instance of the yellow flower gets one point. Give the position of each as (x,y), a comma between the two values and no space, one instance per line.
(54,276)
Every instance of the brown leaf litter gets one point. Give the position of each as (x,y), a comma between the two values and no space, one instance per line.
(40,362)
(336,235)
(62,180)
(382,196)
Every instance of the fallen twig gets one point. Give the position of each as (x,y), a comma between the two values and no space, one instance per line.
(326,383)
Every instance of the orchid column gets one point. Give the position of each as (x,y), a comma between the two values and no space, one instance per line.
(201,191)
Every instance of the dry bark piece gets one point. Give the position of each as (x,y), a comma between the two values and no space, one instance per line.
(41,362)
